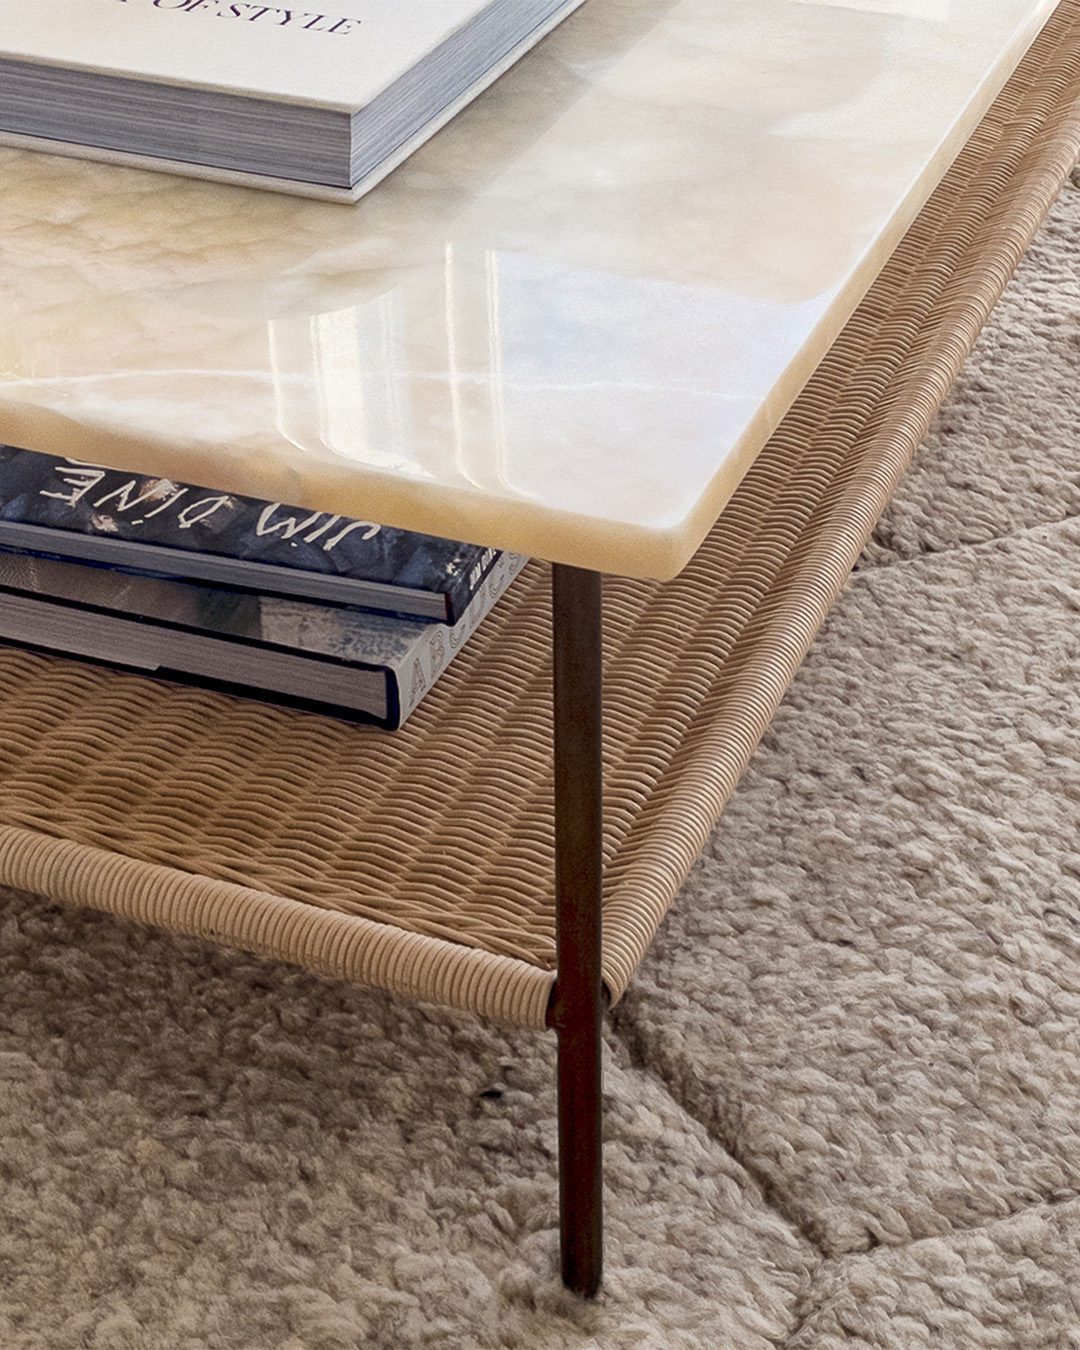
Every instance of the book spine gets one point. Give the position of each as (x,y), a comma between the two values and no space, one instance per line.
(428,657)
(460,597)
(393,719)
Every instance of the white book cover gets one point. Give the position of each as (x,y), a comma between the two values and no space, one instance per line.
(339,57)
(320,101)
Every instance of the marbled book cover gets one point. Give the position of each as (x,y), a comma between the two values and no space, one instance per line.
(411,653)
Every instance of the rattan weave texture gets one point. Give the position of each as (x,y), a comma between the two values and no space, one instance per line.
(421,862)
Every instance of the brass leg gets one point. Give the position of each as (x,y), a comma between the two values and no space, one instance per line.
(579,1000)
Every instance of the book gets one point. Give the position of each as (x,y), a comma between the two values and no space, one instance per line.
(362,666)
(324,102)
(65,508)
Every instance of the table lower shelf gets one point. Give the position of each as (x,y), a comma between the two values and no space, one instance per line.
(422,862)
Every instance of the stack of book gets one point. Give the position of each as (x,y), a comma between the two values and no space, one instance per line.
(347,616)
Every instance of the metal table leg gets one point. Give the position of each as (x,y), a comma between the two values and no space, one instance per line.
(579,999)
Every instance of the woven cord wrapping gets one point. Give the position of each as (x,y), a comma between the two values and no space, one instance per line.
(421,862)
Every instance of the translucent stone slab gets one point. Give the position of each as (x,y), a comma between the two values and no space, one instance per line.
(566,327)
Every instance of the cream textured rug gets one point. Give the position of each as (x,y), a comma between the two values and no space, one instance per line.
(844,1091)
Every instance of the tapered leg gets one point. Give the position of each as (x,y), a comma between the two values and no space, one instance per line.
(579,998)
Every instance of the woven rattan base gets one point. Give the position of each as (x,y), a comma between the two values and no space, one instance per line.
(422,862)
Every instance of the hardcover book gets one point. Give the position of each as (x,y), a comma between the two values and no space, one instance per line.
(313,99)
(63,508)
(366,666)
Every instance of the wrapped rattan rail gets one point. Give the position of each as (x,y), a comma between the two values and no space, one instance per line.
(421,862)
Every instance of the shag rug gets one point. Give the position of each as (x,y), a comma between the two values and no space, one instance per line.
(844,1092)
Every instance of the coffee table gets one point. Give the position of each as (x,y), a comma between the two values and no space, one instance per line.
(673,302)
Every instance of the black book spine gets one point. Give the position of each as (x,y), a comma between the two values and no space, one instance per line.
(460,595)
